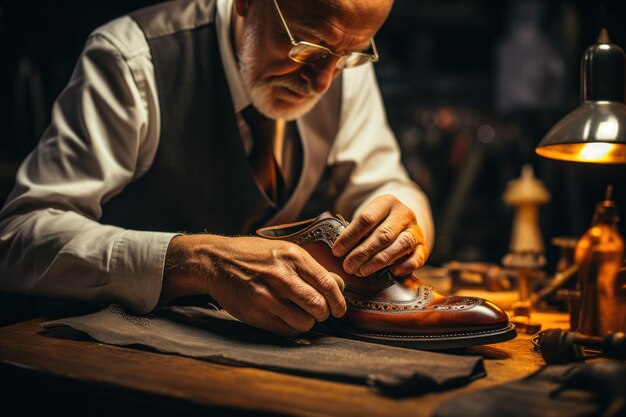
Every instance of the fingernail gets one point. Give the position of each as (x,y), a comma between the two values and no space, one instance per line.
(349,266)
(367,270)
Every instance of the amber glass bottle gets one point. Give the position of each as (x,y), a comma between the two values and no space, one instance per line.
(599,254)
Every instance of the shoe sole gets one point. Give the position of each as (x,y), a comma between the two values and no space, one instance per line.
(451,340)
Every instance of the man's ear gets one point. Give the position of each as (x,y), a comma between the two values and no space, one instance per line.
(242,7)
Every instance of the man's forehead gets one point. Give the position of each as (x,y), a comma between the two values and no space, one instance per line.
(343,18)
(350,5)
(353,15)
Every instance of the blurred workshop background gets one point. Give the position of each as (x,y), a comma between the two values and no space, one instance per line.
(470,87)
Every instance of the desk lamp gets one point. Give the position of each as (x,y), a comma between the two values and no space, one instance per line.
(595,132)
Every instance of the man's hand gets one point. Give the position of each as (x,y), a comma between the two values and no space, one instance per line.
(383,232)
(273,285)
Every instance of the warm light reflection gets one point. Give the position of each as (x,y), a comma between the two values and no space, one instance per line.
(608,129)
(595,151)
(587,129)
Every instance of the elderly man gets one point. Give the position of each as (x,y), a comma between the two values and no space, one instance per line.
(215,118)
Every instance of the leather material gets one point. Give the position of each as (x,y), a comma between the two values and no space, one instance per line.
(379,306)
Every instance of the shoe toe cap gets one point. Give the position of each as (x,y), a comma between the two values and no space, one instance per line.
(478,312)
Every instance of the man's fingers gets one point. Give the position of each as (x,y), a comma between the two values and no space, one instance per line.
(305,297)
(270,322)
(385,235)
(412,262)
(360,227)
(294,316)
(278,326)
(404,244)
(325,283)
(278,315)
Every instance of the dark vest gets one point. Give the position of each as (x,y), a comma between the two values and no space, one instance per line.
(201,180)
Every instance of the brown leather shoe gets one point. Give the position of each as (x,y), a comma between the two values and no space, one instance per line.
(380,309)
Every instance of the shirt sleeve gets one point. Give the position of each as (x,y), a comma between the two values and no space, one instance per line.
(101,137)
(365,159)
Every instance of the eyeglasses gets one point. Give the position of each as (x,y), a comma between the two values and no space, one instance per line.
(308,53)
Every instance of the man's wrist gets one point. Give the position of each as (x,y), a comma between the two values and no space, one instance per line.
(178,280)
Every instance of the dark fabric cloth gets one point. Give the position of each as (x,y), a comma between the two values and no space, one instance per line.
(214,336)
(575,390)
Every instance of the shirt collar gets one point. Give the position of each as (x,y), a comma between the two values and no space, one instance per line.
(238,90)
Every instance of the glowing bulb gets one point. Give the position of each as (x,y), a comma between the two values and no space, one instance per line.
(595,151)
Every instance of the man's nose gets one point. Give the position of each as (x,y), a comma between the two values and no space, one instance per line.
(320,74)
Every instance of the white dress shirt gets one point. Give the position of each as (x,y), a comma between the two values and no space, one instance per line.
(104,134)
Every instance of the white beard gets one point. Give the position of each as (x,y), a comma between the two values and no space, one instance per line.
(261,90)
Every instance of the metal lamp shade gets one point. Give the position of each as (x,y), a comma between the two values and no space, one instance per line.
(596,131)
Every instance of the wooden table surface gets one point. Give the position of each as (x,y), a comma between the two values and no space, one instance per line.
(207,386)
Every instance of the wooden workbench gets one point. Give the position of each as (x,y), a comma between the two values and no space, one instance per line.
(72,377)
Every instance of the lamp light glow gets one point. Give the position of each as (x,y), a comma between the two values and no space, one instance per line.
(595,151)
(596,131)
